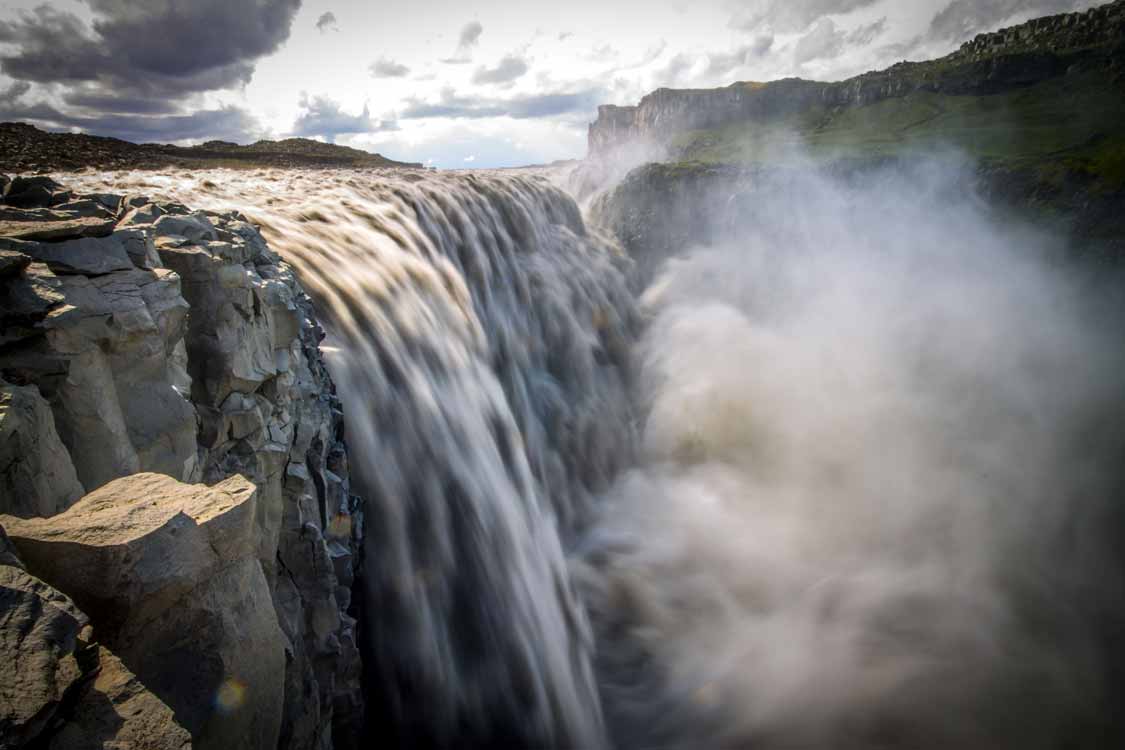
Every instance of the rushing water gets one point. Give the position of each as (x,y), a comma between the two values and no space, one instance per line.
(480,336)
(851,498)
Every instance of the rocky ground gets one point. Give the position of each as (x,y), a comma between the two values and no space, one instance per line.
(181,538)
(25,148)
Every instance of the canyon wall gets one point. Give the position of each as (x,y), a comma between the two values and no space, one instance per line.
(147,351)
(990,63)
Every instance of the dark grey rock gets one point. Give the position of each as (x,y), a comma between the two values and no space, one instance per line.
(87,255)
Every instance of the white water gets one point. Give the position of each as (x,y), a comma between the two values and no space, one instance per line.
(878,440)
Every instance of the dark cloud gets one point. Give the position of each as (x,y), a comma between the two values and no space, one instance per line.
(450,105)
(144,45)
(564,35)
(385,67)
(98,101)
(320,116)
(144,57)
(962,19)
(790,15)
(13,92)
(327,22)
(510,68)
(466,43)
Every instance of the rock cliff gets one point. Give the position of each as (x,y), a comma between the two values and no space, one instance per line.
(991,63)
(144,349)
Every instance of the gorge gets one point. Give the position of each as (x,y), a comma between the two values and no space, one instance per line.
(700,452)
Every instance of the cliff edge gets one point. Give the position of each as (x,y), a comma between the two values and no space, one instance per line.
(173,468)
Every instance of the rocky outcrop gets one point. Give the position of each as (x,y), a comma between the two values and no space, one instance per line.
(60,690)
(143,337)
(991,63)
(169,576)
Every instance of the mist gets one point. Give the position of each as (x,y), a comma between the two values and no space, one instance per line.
(880,481)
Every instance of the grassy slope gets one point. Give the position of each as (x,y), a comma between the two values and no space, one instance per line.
(1070,124)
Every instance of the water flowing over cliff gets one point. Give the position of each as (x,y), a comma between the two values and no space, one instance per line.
(837,469)
(478,333)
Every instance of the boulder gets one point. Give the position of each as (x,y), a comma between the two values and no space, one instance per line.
(144,214)
(194,227)
(39,644)
(37,477)
(61,691)
(34,192)
(169,577)
(91,256)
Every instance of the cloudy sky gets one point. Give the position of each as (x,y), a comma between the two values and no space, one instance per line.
(453,83)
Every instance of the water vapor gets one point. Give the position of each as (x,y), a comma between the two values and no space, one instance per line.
(882,453)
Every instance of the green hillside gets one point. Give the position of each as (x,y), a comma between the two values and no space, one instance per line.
(1074,123)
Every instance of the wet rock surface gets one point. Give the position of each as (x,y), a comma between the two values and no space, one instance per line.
(142,337)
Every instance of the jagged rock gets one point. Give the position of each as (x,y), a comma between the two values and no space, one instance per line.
(39,633)
(105,359)
(34,192)
(195,227)
(144,214)
(37,477)
(87,255)
(25,300)
(231,341)
(168,575)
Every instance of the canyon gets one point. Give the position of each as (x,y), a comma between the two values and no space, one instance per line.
(790,418)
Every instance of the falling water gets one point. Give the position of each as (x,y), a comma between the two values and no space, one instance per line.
(854,496)
(479,335)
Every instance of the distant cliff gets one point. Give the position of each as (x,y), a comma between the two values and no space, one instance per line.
(24,147)
(993,63)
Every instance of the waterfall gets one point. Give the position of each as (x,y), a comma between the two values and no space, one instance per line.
(860,491)
(478,335)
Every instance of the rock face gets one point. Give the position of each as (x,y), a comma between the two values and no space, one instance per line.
(990,63)
(169,575)
(62,691)
(137,337)
(36,474)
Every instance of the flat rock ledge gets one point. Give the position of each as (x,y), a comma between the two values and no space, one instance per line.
(168,575)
